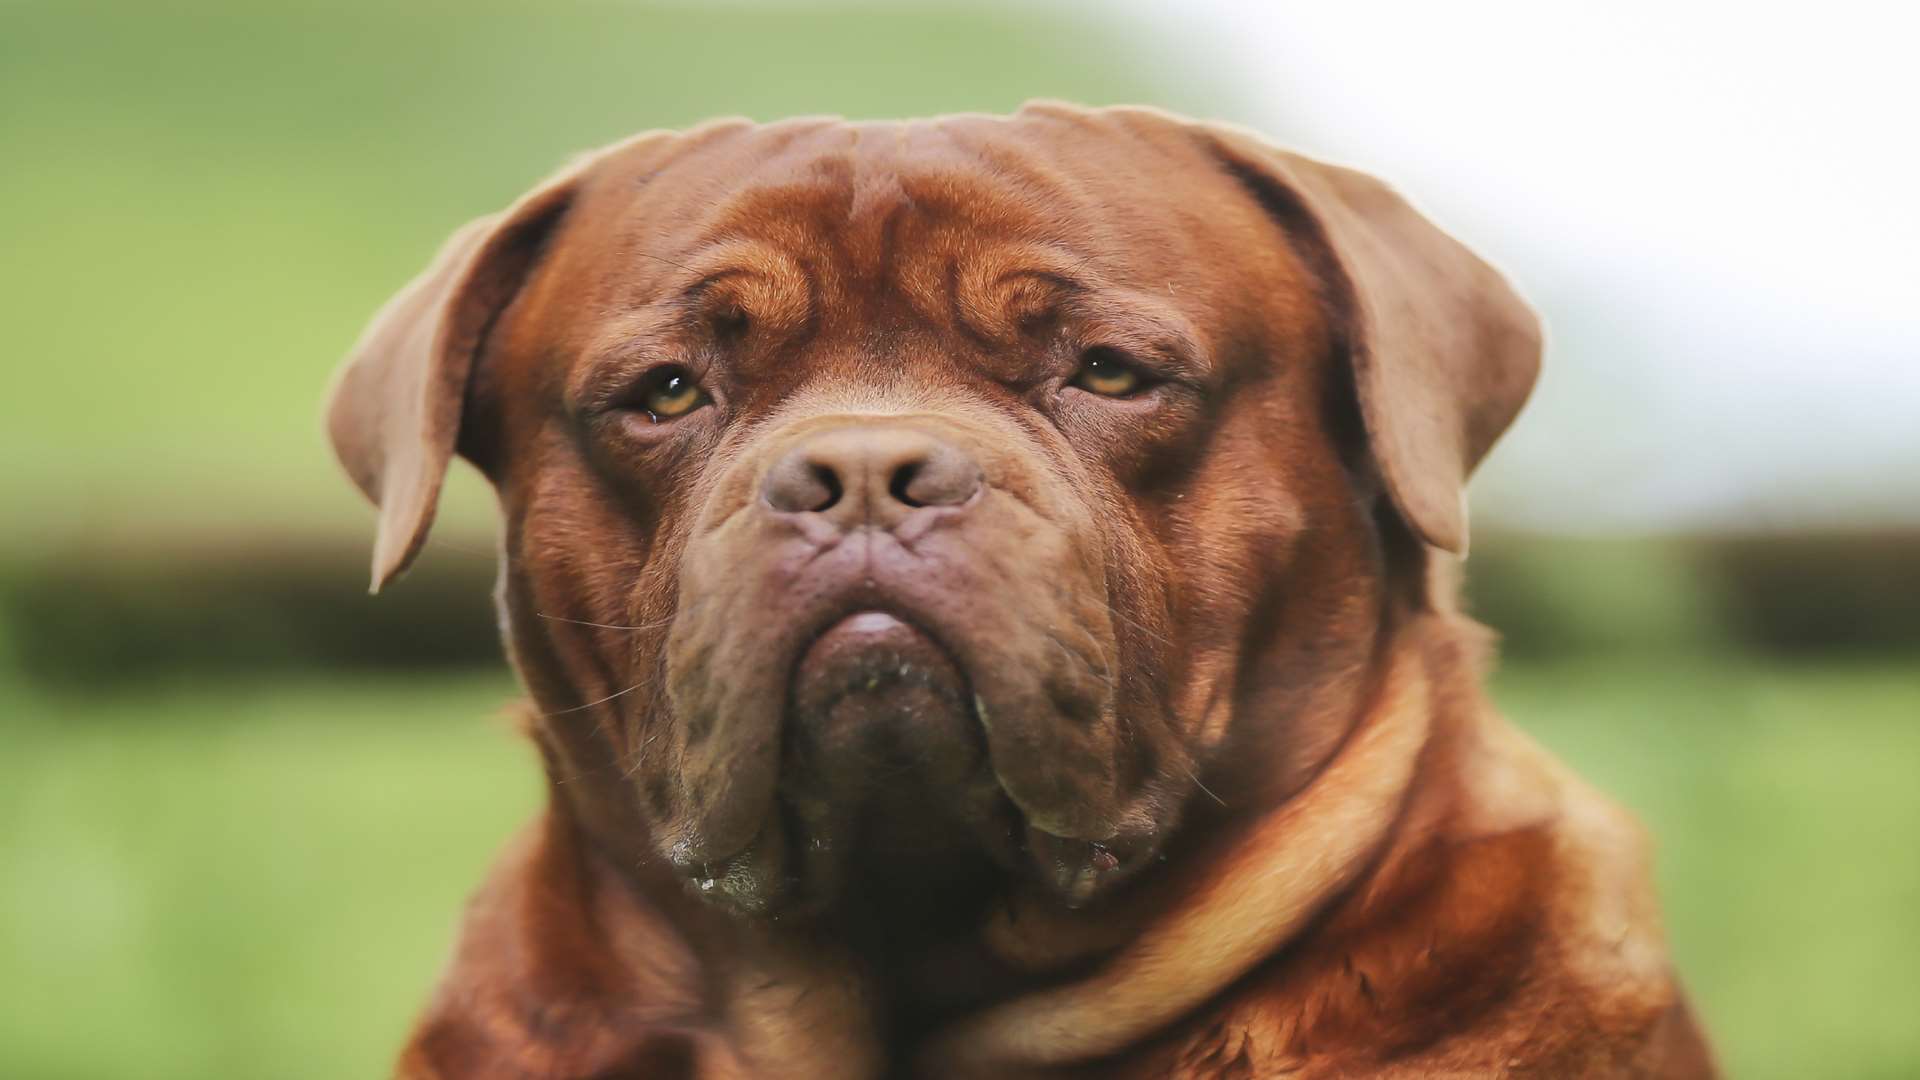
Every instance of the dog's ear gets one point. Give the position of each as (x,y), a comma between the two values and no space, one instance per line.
(394,411)
(1443,351)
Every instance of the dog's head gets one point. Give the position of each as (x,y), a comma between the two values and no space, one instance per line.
(987,485)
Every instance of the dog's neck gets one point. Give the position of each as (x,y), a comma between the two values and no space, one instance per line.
(1261,888)
(1037,984)
(1042,986)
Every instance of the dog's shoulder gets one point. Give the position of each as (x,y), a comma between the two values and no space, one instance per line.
(1511,930)
(530,991)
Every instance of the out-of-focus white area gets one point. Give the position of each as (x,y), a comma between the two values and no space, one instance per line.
(1716,207)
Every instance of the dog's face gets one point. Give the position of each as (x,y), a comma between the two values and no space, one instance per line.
(987,487)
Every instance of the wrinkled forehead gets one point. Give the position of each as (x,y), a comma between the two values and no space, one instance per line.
(983,218)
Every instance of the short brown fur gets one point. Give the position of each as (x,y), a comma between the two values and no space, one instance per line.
(1185,770)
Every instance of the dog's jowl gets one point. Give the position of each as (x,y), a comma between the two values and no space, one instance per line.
(985,589)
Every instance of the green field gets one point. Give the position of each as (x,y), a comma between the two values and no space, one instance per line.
(261,881)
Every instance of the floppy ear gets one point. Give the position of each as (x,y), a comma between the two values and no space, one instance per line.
(1443,352)
(394,413)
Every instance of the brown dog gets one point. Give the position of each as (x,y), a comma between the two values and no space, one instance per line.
(985,588)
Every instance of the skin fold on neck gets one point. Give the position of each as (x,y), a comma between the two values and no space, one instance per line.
(1275,878)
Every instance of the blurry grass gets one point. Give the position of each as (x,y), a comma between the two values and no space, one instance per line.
(263,881)
(242,882)
(1784,804)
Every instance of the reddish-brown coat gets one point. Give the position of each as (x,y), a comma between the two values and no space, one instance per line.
(1307,746)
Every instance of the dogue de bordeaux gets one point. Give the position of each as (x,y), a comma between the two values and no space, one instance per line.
(986,591)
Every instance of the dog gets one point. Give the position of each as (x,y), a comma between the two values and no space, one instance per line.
(986,592)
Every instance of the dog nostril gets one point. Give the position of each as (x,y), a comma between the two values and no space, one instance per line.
(829,482)
(944,477)
(801,485)
(901,485)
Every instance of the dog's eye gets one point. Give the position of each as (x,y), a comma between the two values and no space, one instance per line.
(670,392)
(1109,373)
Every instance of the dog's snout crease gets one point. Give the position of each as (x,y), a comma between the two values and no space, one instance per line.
(870,475)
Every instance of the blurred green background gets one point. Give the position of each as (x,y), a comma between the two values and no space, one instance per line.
(243,801)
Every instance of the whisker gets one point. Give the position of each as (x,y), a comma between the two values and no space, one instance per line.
(662,259)
(1104,672)
(597,701)
(605,626)
(639,757)
(1195,777)
(1121,616)
(1135,623)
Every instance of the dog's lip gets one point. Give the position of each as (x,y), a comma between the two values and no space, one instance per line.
(868,660)
(863,631)
(862,623)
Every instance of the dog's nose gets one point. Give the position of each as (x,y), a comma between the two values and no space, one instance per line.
(875,474)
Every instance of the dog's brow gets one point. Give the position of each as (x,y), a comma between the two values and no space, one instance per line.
(1059,278)
(698,288)
(763,280)
(991,296)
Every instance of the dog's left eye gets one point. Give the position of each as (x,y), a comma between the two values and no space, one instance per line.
(1109,373)
(669,393)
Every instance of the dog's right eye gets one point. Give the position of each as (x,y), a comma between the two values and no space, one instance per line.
(669,393)
(1108,373)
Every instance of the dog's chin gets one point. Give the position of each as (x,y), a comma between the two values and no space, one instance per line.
(877,704)
(885,783)
(887,789)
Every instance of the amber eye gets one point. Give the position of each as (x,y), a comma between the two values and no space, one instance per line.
(1108,373)
(669,393)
